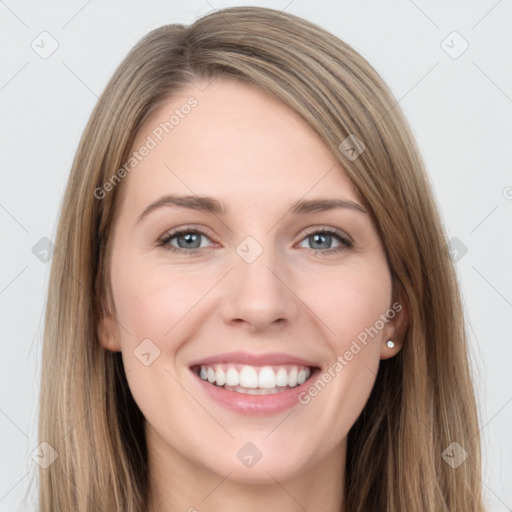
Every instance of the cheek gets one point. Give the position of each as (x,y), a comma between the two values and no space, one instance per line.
(350,300)
(152,300)
(350,305)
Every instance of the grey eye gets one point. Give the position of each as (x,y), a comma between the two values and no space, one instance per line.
(189,240)
(320,241)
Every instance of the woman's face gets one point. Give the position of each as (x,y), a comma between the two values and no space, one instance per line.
(259,270)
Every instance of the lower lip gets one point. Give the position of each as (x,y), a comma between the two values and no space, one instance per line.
(255,405)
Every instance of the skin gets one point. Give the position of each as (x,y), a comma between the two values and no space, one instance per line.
(250,151)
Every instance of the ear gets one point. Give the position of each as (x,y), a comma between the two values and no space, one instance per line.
(395,329)
(108,333)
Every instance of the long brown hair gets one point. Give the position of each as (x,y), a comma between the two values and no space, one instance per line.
(423,400)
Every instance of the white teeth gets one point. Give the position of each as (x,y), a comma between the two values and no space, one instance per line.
(232,377)
(281,377)
(267,378)
(250,391)
(292,377)
(249,379)
(221,377)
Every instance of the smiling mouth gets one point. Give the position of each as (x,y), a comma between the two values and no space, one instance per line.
(254,380)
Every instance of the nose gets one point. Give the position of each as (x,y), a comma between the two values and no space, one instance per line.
(259,295)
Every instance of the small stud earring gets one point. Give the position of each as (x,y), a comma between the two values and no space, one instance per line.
(390,344)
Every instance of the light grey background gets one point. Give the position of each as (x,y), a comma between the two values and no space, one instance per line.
(460,110)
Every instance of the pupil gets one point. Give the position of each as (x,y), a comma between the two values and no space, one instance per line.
(190,238)
(326,238)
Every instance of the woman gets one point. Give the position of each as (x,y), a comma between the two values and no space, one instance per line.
(202,352)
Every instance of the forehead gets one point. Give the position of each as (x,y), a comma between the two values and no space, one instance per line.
(231,141)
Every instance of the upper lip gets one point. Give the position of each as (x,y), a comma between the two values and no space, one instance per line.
(254,359)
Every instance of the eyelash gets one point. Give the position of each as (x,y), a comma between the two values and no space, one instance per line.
(346,243)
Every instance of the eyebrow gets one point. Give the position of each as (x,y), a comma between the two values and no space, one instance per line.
(216,207)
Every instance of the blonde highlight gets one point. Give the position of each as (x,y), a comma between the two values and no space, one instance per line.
(423,398)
